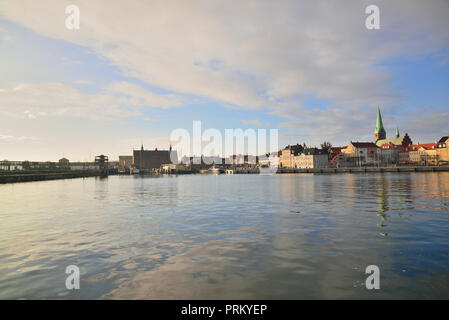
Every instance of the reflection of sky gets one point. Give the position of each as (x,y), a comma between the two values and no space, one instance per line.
(241,236)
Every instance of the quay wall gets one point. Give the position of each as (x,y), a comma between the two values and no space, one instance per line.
(363,170)
(42,176)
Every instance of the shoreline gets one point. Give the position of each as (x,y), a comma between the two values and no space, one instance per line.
(47,176)
(365,170)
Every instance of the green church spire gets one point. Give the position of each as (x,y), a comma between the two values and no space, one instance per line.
(397,132)
(379,124)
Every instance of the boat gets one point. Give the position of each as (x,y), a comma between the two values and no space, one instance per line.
(216,170)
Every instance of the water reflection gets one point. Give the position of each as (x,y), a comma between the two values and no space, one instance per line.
(240,236)
(382,196)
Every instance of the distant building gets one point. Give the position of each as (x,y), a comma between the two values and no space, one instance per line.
(389,153)
(419,154)
(63,163)
(6,165)
(443,150)
(125,162)
(287,157)
(336,150)
(84,166)
(311,158)
(361,153)
(380,135)
(379,132)
(152,159)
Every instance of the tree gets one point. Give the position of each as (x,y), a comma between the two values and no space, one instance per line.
(326,146)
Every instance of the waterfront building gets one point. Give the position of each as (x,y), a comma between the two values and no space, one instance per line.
(443,150)
(380,135)
(125,162)
(175,168)
(84,166)
(311,158)
(6,165)
(419,154)
(63,163)
(389,153)
(288,154)
(152,159)
(361,153)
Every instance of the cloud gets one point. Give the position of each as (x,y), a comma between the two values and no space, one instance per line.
(56,99)
(6,139)
(5,35)
(82,82)
(255,123)
(257,55)
(68,61)
(145,97)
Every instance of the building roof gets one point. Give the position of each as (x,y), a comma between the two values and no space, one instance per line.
(426,146)
(363,144)
(396,141)
(389,145)
(379,124)
(336,150)
(312,151)
(296,149)
(443,139)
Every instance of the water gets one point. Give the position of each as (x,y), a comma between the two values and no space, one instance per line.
(227,236)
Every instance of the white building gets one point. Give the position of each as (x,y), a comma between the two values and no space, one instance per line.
(310,161)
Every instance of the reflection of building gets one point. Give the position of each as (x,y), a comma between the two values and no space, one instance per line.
(311,158)
(152,159)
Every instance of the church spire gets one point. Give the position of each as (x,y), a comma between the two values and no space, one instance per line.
(379,133)
(379,124)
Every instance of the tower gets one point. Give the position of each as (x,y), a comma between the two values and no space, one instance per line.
(141,158)
(379,133)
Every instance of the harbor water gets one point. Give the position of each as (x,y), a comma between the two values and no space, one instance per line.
(298,236)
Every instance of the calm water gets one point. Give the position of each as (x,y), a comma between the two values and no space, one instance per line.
(227,236)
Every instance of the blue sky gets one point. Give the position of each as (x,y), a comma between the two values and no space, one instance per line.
(132,75)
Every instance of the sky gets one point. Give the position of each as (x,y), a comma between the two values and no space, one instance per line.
(137,70)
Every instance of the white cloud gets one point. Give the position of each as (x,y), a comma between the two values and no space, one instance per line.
(68,61)
(264,54)
(255,123)
(82,82)
(56,99)
(4,138)
(145,97)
